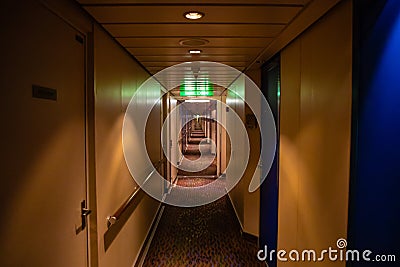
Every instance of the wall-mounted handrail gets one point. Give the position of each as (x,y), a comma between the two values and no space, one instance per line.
(120,211)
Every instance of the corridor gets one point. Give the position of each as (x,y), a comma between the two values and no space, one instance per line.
(200,133)
(208,235)
(196,148)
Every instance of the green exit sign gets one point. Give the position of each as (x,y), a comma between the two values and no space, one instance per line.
(196,93)
(196,89)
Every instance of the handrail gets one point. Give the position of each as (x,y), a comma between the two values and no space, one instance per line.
(117,215)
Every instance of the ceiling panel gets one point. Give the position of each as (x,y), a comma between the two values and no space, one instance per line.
(238,33)
(182,51)
(196,2)
(188,58)
(212,42)
(154,70)
(171,63)
(213,14)
(193,30)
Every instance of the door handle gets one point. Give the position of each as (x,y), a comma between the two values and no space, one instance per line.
(84,213)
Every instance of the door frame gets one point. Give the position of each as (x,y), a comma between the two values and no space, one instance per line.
(90,151)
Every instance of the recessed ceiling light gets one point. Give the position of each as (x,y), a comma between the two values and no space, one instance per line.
(193,15)
(195,51)
(193,42)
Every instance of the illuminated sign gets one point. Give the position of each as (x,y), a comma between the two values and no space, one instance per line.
(194,88)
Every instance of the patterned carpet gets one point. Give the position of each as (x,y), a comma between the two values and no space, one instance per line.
(191,163)
(208,235)
(192,153)
(194,182)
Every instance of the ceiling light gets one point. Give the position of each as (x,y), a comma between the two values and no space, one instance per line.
(193,42)
(193,15)
(195,51)
(197,101)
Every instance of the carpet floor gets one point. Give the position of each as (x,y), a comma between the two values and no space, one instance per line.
(207,166)
(207,235)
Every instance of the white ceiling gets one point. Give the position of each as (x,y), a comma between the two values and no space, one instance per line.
(241,34)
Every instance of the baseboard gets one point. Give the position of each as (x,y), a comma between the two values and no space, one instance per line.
(234,209)
(247,236)
(149,237)
(174,180)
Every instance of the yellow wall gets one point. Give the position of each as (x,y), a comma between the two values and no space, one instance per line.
(235,150)
(117,77)
(43,142)
(224,140)
(251,201)
(246,205)
(315,115)
(251,223)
